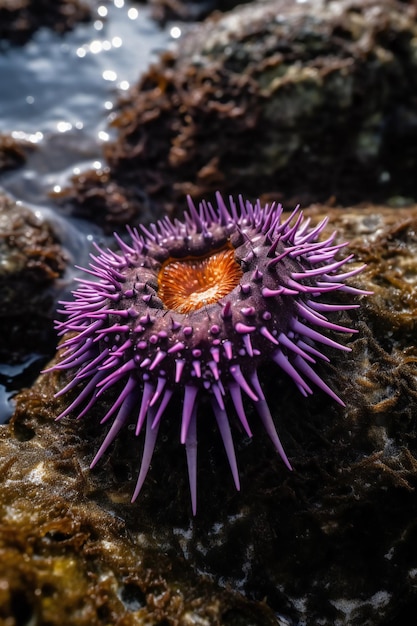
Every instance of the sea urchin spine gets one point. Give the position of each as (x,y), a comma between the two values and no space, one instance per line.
(195,307)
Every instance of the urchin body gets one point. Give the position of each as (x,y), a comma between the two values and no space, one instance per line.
(195,307)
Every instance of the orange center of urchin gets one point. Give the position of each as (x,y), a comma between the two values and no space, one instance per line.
(186,285)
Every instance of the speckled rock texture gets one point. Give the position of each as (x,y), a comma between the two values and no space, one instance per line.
(299,101)
(19,19)
(31,261)
(331,543)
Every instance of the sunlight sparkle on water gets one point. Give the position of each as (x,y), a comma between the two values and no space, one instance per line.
(119,3)
(109,75)
(124,85)
(63,127)
(175,32)
(96,46)
(133,14)
(31,137)
(102,11)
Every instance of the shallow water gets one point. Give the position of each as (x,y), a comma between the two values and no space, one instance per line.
(60,94)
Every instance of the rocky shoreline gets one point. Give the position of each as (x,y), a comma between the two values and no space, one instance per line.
(308,102)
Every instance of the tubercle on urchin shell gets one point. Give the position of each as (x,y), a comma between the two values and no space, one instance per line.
(125,339)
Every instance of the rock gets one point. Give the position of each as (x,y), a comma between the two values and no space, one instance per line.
(12,152)
(19,19)
(330,543)
(31,261)
(301,101)
(66,555)
(187,10)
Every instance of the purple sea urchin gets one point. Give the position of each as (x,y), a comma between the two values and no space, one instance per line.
(195,307)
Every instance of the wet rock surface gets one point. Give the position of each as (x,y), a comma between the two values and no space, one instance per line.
(19,19)
(31,261)
(332,542)
(66,554)
(299,101)
(12,152)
